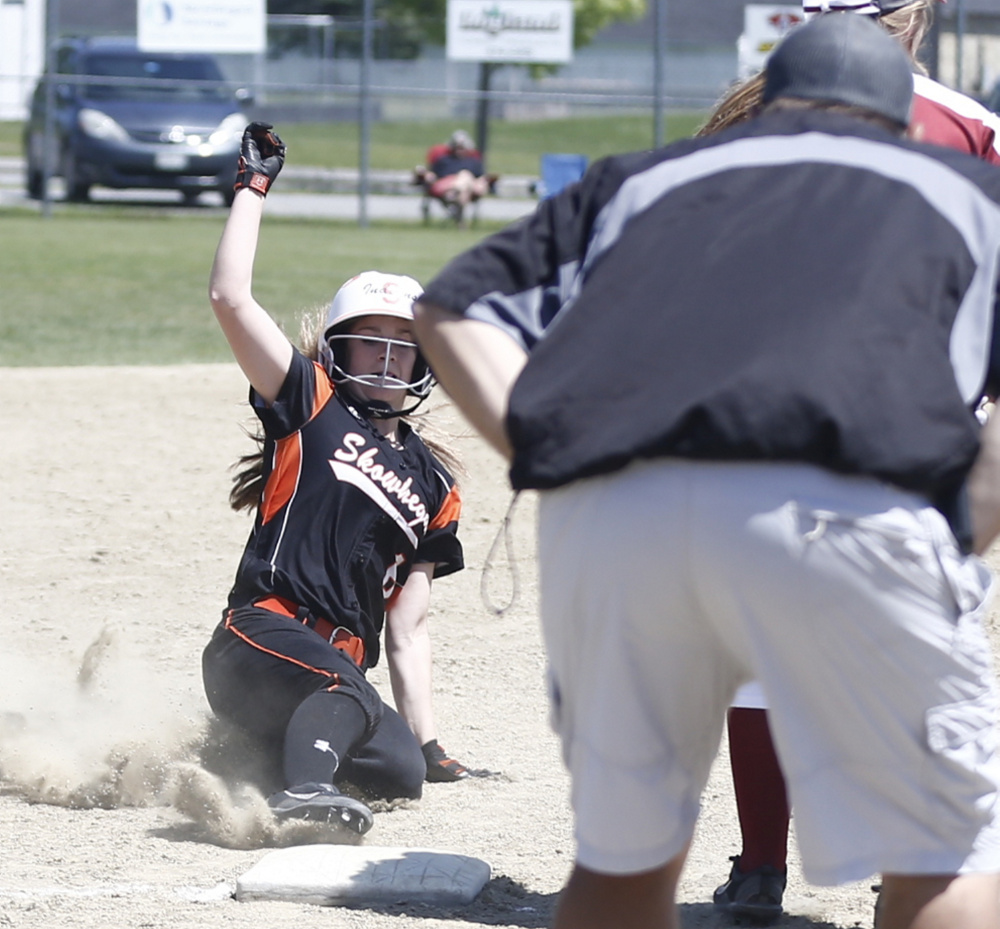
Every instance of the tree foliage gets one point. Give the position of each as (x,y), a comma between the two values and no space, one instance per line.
(591,16)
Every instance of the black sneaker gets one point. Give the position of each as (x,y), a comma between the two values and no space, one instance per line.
(321,803)
(755,895)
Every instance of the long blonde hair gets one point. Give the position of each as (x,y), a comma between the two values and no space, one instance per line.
(248,469)
(909,26)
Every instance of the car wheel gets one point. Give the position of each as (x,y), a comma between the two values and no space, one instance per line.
(77,190)
(190,196)
(33,182)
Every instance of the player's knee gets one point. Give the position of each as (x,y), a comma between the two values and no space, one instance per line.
(410,776)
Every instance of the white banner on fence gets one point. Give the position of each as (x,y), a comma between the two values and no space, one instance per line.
(764,25)
(510,30)
(22,54)
(236,26)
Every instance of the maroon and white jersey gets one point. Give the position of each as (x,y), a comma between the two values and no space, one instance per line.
(943,116)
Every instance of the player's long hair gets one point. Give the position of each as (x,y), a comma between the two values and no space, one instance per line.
(909,26)
(248,470)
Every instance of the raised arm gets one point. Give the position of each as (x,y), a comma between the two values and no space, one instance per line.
(260,347)
(476,363)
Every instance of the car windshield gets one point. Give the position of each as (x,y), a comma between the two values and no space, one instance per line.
(172,71)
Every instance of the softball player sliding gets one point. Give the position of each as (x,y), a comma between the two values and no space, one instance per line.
(354,518)
(943,116)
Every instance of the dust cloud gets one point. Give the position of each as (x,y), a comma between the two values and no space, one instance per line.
(99,737)
(102,735)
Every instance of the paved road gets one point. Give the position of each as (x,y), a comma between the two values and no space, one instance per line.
(303,192)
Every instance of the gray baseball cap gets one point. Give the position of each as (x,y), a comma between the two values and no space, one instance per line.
(843,59)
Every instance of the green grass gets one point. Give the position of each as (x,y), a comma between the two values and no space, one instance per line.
(114,285)
(118,288)
(514,147)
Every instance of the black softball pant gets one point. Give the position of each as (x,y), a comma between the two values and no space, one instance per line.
(260,666)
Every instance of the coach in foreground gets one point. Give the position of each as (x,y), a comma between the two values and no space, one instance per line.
(743,370)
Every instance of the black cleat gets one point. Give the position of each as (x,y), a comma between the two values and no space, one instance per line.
(321,803)
(755,895)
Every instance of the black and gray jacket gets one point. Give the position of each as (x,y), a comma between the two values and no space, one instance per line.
(804,287)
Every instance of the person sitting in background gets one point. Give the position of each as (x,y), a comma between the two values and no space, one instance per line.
(455,174)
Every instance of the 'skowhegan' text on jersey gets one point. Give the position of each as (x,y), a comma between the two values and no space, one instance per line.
(345,513)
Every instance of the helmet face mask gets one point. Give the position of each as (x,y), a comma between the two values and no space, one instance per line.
(337,345)
(372,293)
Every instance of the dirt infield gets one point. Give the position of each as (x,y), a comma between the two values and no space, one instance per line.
(117,548)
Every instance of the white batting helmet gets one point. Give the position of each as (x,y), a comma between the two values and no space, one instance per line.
(371,293)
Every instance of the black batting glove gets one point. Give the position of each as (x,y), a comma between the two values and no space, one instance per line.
(439,766)
(262,155)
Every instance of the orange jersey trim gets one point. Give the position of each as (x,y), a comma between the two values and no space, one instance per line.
(284,477)
(450,510)
(324,389)
(268,651)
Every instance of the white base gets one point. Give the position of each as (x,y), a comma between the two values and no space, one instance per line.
(348,874)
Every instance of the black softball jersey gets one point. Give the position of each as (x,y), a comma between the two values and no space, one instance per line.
(345,513)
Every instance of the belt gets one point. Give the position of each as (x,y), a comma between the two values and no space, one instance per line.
(338,636)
